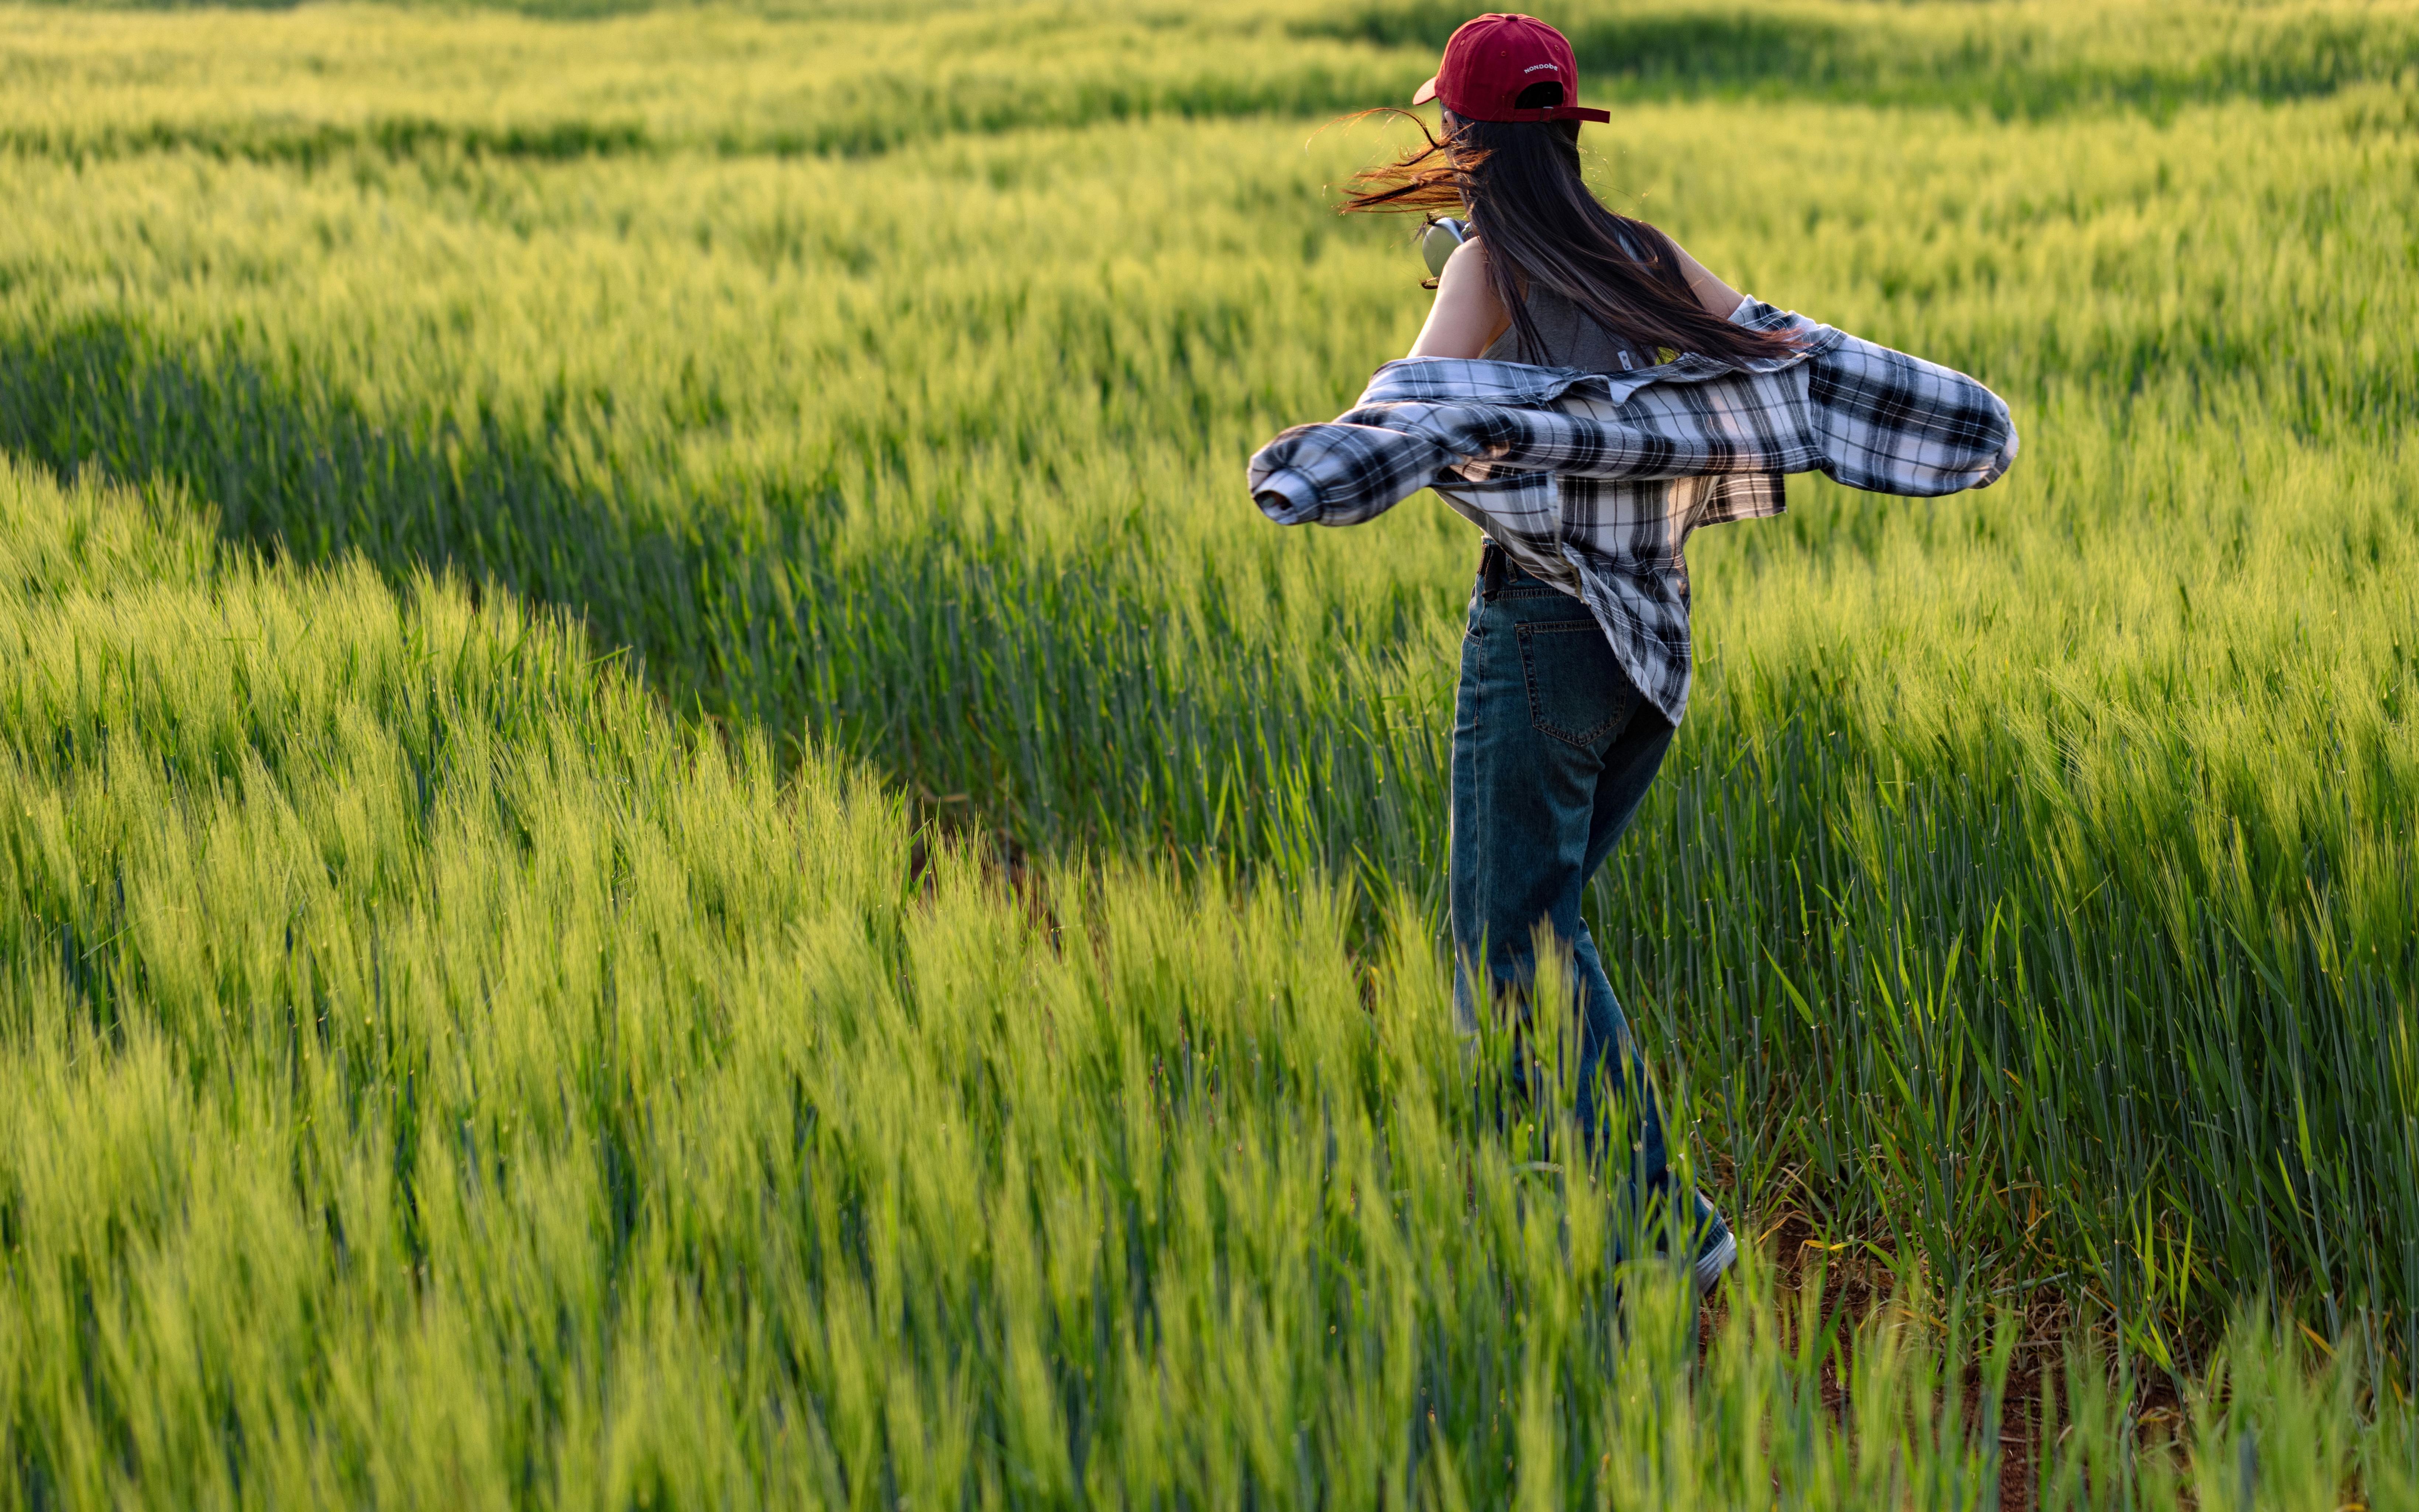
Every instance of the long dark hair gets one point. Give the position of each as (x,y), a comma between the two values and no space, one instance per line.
(1519,183)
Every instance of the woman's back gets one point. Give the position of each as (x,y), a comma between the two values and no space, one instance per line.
(1572,338)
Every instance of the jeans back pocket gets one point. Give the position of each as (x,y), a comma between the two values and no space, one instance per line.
(1578,691)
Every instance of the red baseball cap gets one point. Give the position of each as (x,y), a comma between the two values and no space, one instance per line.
(1489,61)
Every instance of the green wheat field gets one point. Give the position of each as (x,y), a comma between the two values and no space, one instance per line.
(670,838)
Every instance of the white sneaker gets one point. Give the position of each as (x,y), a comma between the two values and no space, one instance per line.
(1711,1264)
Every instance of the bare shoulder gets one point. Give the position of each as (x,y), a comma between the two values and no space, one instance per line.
(1468,265)
(1467,315)
(1712,292)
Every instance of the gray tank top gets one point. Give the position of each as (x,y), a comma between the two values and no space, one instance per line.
(1572,338)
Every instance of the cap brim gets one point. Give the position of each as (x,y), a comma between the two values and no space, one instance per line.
(1425,92)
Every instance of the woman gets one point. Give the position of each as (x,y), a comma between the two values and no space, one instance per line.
(1536,401)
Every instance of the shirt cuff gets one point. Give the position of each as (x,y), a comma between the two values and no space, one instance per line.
(1287,496)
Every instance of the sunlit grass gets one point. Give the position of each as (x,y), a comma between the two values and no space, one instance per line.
(436,1076)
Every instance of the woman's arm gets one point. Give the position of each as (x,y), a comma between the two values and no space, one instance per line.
(1717,298)
(1467,317)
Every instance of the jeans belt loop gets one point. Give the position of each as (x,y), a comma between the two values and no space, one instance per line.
(1490,571)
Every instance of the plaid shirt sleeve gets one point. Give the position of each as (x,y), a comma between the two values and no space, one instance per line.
(1370,458)
(1341,473)
(1894,424)
(1870,417)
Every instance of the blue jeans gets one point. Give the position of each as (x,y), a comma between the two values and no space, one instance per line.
(1553,748)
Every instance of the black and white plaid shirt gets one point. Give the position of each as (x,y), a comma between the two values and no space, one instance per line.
(1592,481)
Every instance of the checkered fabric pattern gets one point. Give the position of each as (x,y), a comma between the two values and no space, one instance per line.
(1592,481)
